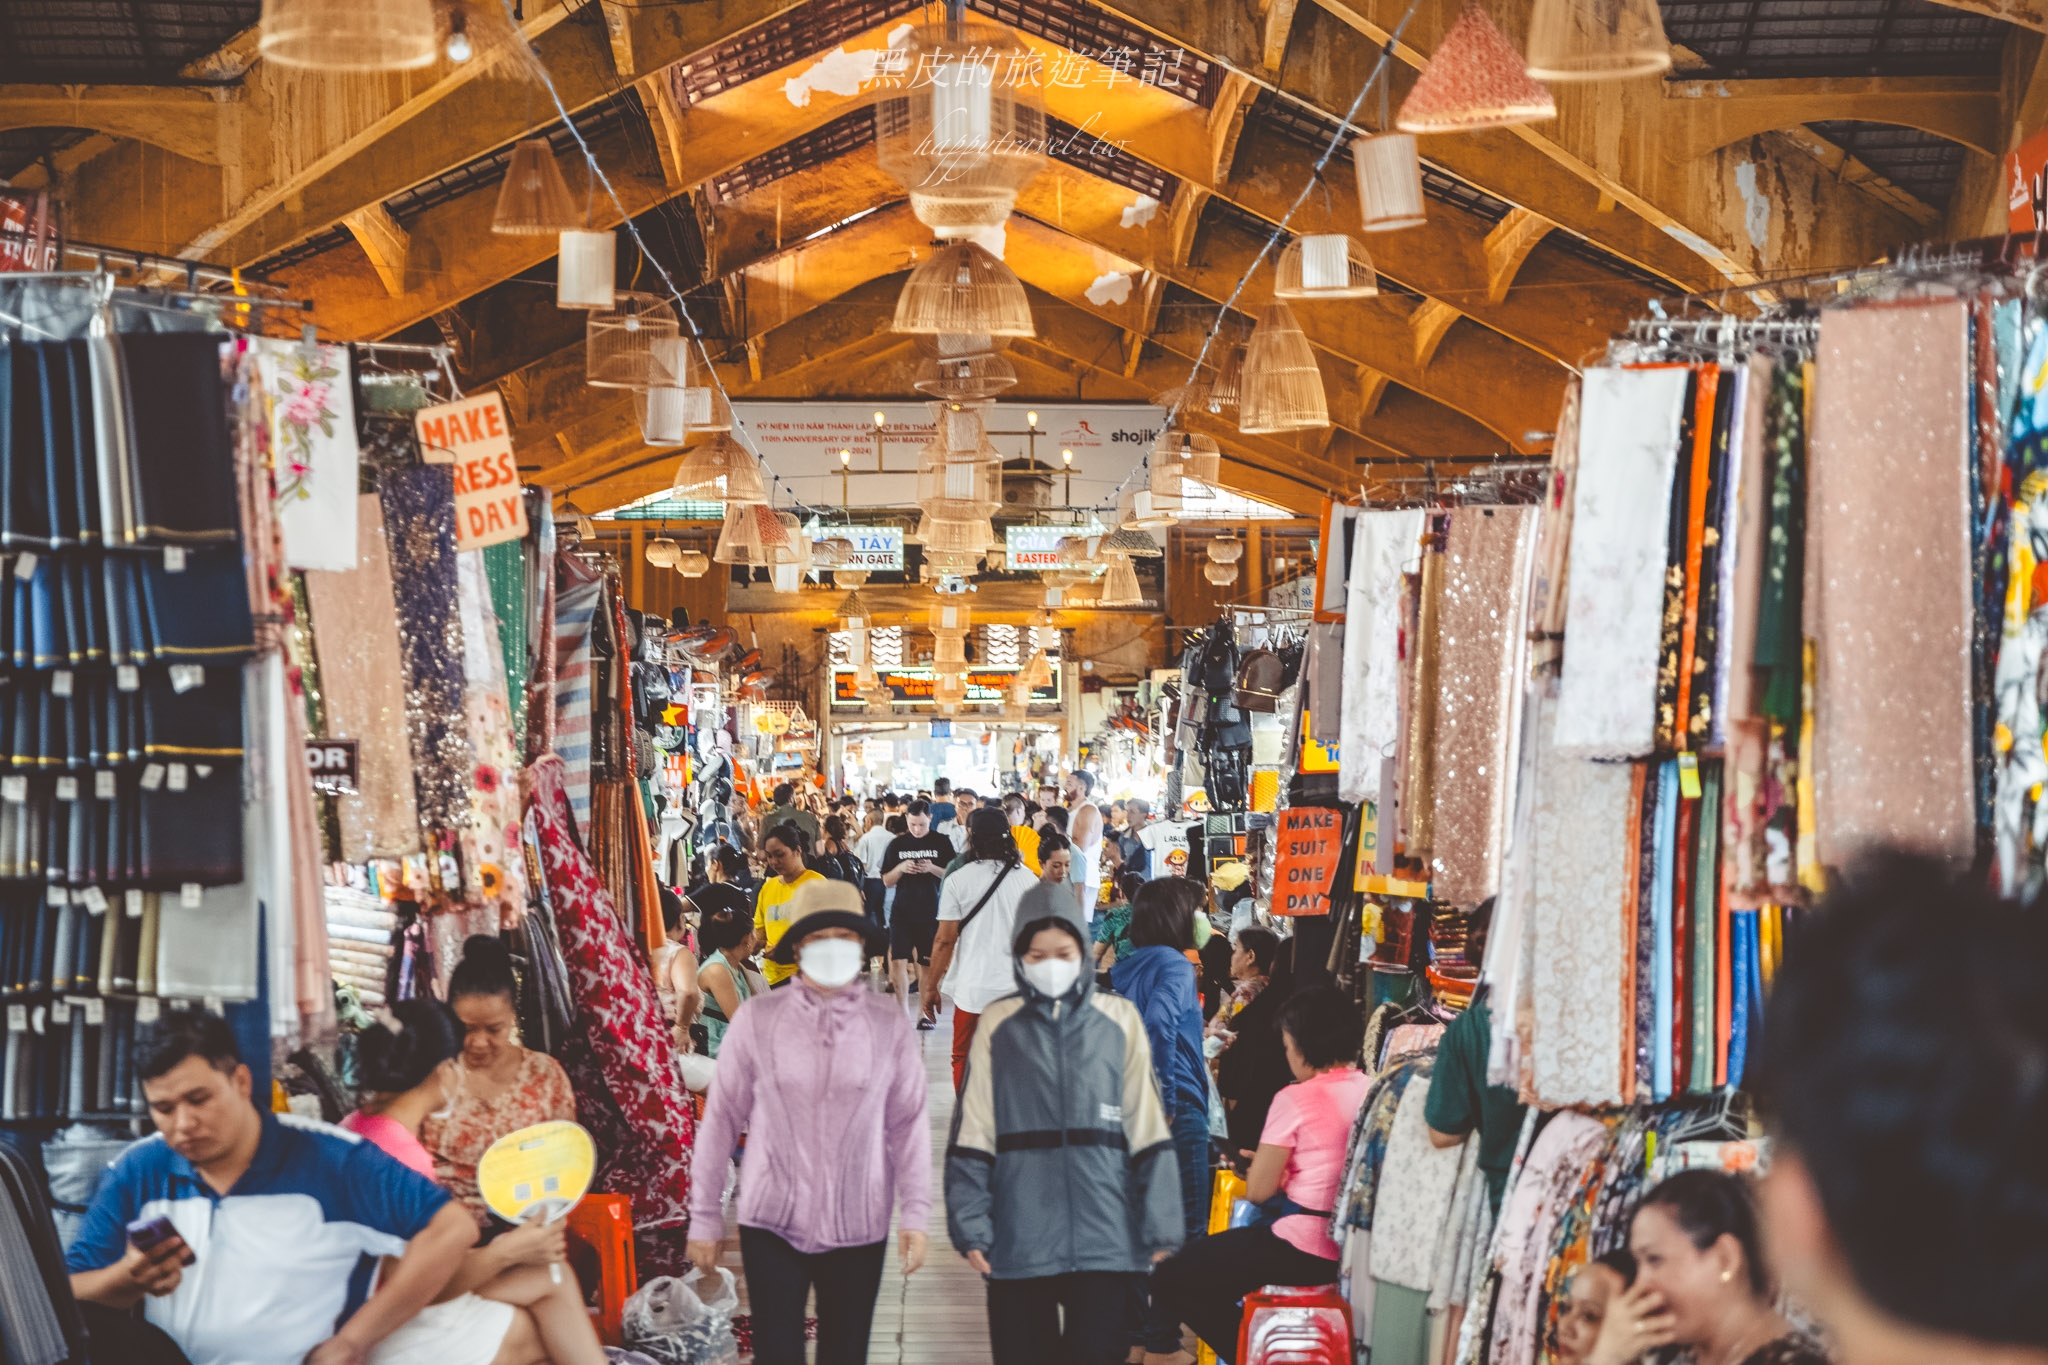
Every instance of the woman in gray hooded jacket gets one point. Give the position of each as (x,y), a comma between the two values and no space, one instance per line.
(1061,1179)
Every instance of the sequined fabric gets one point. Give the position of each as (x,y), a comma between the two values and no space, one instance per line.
(1889,582)
(419,521)
(1418,775)
(356,636)
(1486,564)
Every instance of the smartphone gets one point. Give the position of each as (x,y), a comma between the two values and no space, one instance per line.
(147,1234)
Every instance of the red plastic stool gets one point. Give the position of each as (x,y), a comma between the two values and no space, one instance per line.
(1290,1326)
(601,1251)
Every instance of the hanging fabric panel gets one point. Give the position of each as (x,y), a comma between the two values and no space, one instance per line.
(1628,449)
(577,596)
(313,442)
(1888,580)
(1384,546)
(1486,576)
(419,520)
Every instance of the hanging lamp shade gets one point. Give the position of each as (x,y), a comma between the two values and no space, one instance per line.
(960,488)
(1185,466)
(849,578)
(969,133)
(949,647)
(1476,79)
(1120,585)
(1133,544)
(720,470)
(586,269)
(1137,510)
(1283,389)
(962,288)
(619,341)
(1225,550)
(753,537)
(854,613)
(534,199)
(361,35)
(1325,265)
(1037,670)
(663,406)
(831,552)
(1594,40)
(943,564)
(692,563)
(663,553)
(1389,181)
(973,376)
(1220,574)
(944,615)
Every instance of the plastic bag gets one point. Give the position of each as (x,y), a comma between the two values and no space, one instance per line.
(668,1320)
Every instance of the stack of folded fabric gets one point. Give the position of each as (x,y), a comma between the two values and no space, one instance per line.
(360,933)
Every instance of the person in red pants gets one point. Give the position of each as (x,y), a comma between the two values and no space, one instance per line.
(971,960)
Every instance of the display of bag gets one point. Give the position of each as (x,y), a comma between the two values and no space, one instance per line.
(669,1321)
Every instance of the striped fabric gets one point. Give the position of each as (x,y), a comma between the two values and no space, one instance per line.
(575,606)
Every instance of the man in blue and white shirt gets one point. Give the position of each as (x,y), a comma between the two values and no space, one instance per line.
(284,1218)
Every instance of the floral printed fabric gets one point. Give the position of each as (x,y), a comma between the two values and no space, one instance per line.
(619,1052)
(313,440)
(458,1141)
(1414,1202)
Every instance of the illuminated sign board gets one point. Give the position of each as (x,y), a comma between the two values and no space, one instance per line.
(874,547)
(913,687)
(1036,547)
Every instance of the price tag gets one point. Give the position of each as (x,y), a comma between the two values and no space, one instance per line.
(131,903)
(174,559)
(67,789)
(1689,776)
(147,1009)
(103,784)
(14,788)
(178,777)
(25,565)
(95,1010)
(185,677)
(60,1011)
(17,1018)
(216,1005)
(152,777)
(188,895)
(57,895)
(95,900)
(60,683)
(127,677)
(39,1020)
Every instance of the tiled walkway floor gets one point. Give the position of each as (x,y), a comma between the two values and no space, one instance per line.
(941,1314)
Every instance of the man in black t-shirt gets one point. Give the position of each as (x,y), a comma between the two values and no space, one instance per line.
(913,865)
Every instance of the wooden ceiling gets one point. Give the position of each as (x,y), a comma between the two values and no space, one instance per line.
(755,184)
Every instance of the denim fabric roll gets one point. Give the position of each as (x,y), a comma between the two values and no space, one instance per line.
(63,947)
(47,644)
(110,441)
(88,603)
(200,612)
(82,515)
(71,437)
(200,723)
(64,581)
(25,493)
(109,1051)
(419,529)
(194,835)
(181,458)
(21,649)
(123,578)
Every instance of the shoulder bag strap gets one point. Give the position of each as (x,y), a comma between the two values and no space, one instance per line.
(968,918)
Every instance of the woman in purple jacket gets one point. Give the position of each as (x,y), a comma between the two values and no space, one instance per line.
(826,1081)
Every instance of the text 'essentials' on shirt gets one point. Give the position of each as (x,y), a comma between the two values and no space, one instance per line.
(917,893)
(1313,1117)
(280,1258)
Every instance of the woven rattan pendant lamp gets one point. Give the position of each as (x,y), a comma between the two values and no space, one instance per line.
(663,553)
(1476,79)
(720,470)
(534,200)
(962,288)
(1178,459)
(350,35)
(1120,586)
(1222,575)
(1325,265)
(1595,40)
(752,537)
(693,563)
(586,269)
(620,342)
(1282,388)
(969,133)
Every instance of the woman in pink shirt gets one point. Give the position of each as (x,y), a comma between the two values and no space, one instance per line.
(1293,1177)
(503,1307)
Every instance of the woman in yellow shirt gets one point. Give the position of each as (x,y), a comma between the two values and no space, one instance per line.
(782,852)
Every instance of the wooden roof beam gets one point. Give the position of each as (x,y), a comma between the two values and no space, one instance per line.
(1698,117)
(2026,13)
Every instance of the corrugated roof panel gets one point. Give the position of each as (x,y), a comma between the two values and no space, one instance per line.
(136,42)
(1834,37)
(1922,164)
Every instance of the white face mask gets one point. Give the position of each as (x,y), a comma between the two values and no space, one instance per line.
(831,962)
(1053,976)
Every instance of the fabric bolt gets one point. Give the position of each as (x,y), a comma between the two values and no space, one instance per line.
(1454,1239)
(313,435)
(419,524)
(1416,1185)
(1665,852)
(1627,455)
(1889,582)
(1509,943)
(1745,490)
(620,1053)
(111,457)
(1400,1325)
(506,570)
(577,596)
(1324,672)
(355,633)
(1550,581)
(1418,775)
(497,875)
(180,457)
(2019,822)
(1582,872)
(1385,546)
(1482,630)
(1529,1216)
(1697,499)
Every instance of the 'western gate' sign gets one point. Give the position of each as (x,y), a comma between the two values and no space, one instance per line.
(474,436)
(1305,859)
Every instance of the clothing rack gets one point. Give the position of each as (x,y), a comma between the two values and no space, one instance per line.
(1500,482)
